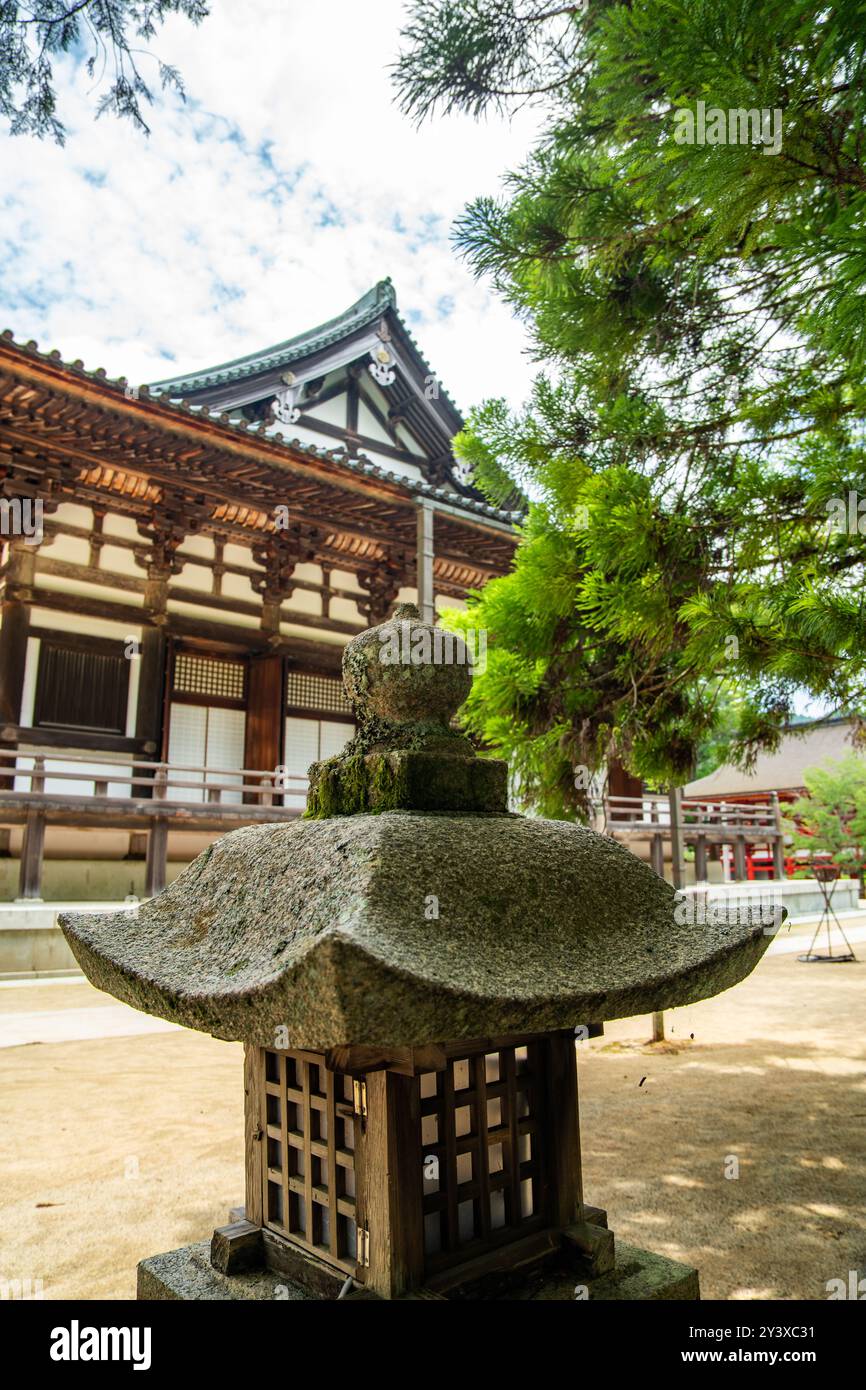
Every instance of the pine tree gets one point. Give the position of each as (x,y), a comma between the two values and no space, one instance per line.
(692,450)
(109,33)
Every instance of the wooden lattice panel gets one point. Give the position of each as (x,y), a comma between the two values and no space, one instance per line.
(481,1127)
(208,677)
(309,1173)
(305,690)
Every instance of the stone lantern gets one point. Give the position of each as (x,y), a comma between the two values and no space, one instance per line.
(408,968)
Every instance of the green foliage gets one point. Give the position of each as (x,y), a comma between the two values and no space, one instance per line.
(831,819)
(698,311)
(107,32)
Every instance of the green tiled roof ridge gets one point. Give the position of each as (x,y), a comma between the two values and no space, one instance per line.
(364,311)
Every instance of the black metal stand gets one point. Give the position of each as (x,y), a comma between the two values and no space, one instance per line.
(828,883)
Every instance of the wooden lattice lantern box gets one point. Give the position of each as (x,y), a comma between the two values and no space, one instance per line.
(408,967)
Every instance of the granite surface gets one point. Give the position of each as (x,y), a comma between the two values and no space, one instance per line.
(403,928)
(639,1276)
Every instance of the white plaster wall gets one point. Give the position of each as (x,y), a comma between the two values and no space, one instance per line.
(194,577)
(121,561)
(124,526)
(73,515)
(73,549)
(302,601)
(345,611)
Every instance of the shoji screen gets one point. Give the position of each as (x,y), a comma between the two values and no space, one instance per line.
(309,741)
(206,736)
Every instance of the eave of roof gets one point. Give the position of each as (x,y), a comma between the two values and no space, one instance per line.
(239,428)
(364,311)
(803,746)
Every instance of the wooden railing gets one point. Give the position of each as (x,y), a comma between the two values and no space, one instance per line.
(132,793)
(652,811)
(662,817)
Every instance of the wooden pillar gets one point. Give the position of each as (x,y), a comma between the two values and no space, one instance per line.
(254,1126)
(675,799)
(563,1142)
(657,854)
(740,858)
(701,858)
(151,702)
(390,1194)
(263,734)
(157,843)
(151,691)
(779,841)
(14,632)
(33,843)
(424,565)
(32,853)
(157,854)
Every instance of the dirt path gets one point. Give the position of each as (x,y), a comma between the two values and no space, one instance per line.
(121,1147)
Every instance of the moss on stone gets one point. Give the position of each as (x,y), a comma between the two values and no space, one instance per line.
(405,780)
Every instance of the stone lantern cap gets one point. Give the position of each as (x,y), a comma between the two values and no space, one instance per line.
(412,920)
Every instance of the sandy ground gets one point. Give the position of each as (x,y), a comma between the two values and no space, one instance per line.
(116,1147)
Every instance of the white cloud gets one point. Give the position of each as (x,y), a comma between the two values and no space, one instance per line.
(283,190)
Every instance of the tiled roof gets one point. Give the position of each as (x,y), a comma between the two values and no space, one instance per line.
(238,425)
(370,307)
(364,312)
(785,769)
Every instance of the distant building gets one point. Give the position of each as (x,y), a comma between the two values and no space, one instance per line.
(782,772)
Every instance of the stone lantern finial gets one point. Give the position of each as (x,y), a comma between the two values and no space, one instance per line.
(405,680)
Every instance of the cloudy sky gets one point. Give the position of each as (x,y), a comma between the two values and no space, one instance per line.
(285,187)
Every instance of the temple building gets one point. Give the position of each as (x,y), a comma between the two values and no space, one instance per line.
(182,567)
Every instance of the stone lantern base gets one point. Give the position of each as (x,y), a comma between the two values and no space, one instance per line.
(628,1275)
(639,1276)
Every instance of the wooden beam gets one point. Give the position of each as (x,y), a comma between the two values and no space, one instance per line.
(71,738)
(393,1206)
(407,1061)
(255,1133)
(32,852)
(237,1248)
(179,624)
